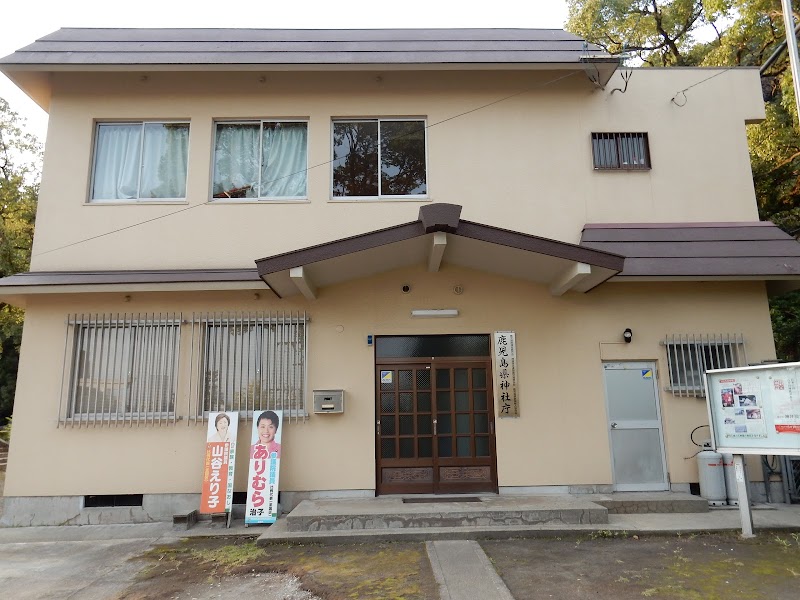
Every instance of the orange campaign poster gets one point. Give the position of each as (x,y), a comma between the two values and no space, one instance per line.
(220,460)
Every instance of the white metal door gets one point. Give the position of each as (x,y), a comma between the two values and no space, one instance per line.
(634,425)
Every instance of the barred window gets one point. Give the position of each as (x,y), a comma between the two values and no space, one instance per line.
(248,362)
(689,356)
(120,368)
(621,151)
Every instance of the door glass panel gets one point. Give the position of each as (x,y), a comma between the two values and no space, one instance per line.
(425,346)
(387,425)
(631,396)
(406,425)
(462,400)
(385,385)
(406,402)
(462,424)
(479,378)
(406,447)
(387,402)
(479,398)
(424,401)
(444,424)
(423,379)
(424,425)
(462,446)
(424,447)
(637,456)
(462,378)
(445,447)
(404,381)
(387,448)
(481,423)
(481,446)
(443,400)
(443,378)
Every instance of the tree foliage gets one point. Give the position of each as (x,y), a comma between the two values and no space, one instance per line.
(20,155)
(744,33)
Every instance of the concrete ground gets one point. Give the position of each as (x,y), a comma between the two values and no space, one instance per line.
(95,561)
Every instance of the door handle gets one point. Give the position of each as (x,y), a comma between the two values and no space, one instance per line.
(613,426)
(378,428)
(434,427)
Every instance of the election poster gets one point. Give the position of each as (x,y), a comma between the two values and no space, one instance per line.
(220,461)
(265,460)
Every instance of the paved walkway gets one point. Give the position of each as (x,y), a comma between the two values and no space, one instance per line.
(463,571)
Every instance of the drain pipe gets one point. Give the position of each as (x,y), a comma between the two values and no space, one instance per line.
(794,58)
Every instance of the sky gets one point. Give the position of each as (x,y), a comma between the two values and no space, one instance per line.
(26,20)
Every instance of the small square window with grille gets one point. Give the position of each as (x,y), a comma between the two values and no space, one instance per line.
(620,151)
(690,356)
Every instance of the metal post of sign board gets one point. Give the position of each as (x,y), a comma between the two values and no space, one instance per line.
(745,512)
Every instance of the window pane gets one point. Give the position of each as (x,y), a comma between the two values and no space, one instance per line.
(462,400)
(236,160)
(116,162)
(424,447)
(423,401)
(462,424)
(407,425)
(424,424)
(164,160)
(481,446)
(387,425)
(445,447)
(253,365)
(355,158)
(402,158)
(123,368)
(479,378)
(406,447)
(463,446)
(479,398)
(284,160)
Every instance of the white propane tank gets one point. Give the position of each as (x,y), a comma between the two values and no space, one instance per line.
(730,479)
(712,478)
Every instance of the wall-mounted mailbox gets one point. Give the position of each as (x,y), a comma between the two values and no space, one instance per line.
(328,401)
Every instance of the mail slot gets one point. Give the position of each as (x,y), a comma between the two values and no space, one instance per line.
(328,401)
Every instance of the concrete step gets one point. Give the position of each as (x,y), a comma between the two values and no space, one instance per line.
(489,511)
(628,503)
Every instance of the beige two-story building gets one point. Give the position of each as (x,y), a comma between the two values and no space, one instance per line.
(500,260)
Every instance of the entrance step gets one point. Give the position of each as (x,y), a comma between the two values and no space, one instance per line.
(627,503)
(490,511)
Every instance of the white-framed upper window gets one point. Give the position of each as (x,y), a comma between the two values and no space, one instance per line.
(140,161)
(120,368)
(260,160)
(379,158)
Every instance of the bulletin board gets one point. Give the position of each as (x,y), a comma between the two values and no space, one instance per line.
(755,410)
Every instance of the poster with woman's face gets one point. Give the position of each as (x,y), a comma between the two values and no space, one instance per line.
(220,463)
(222,427)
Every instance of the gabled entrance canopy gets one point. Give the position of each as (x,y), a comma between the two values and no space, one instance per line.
(439,236)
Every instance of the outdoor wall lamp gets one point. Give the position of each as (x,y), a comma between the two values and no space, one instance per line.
(434,312)
(627,335)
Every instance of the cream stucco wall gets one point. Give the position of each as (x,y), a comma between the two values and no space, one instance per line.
(512,147)
(561,437)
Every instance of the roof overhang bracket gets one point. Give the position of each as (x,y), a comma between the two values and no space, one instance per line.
(438,246)
(302,281)
(569,278)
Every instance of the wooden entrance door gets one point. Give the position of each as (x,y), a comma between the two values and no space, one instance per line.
(435,427)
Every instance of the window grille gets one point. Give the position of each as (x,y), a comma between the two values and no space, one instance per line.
(120,369)
(621,151)
(247,362)
(689,356)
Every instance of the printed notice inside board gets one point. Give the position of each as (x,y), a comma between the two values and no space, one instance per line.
(755,410)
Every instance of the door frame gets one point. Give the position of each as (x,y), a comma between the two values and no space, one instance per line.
(437,486)
(637,424)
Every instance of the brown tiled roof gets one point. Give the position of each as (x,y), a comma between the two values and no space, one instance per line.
(698,250)
(79,46)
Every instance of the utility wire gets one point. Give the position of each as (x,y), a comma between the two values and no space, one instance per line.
(322,164)
(683,91)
